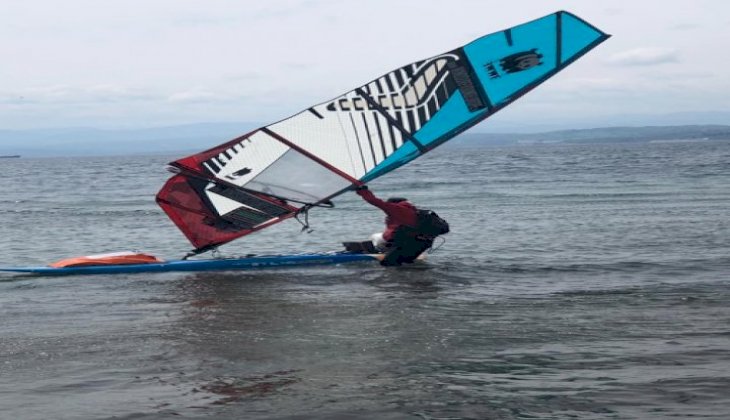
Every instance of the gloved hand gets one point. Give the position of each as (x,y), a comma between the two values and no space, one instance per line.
(362,190)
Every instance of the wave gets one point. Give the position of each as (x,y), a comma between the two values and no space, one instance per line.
(674,267)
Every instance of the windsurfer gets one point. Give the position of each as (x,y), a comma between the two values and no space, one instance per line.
(402,242)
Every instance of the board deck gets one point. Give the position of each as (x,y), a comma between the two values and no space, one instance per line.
(219,264)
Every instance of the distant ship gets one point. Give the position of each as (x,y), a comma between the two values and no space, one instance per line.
(9,156)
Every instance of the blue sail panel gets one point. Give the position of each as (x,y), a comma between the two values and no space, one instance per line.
(506,62)
(498,68)
(400,157)
(576,36)
(452,116)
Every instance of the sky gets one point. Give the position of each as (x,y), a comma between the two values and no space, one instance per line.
(149,63)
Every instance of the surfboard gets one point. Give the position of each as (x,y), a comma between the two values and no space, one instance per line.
(218,264)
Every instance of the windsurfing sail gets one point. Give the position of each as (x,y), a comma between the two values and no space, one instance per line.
(276,171)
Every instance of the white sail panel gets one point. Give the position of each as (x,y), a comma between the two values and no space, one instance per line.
(324,134)
(246,159)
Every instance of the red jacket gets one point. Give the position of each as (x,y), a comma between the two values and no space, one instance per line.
(397,214)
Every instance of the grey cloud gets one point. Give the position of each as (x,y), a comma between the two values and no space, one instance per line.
(202,21)
(75,95)
(645,57)
(296,66)
(244,76)
(687,26)
(246,15)
(194,96)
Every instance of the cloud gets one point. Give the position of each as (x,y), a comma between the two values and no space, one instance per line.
(67,94)
(194,96)
(685,26)
(247,77)
(645,57)
(613,11)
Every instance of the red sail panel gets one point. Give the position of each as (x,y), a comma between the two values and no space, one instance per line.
(244,185)
(184,200)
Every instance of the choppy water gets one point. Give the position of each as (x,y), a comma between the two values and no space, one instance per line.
(587,281)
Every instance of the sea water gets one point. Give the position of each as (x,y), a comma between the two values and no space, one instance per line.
(579,281)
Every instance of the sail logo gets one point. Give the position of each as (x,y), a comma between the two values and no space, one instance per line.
(238,174)
(514,63)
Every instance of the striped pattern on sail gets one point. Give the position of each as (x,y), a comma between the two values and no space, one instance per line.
(411,94)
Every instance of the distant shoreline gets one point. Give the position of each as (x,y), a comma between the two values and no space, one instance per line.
(173,140)
(9,157)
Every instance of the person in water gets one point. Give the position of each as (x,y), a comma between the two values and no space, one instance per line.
(401,241)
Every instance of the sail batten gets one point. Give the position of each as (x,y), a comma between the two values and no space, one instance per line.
(272,173)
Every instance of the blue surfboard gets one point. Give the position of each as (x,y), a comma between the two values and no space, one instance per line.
(219,264)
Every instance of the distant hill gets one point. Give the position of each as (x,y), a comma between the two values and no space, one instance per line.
(195,137)
(601,135)
(101,142)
